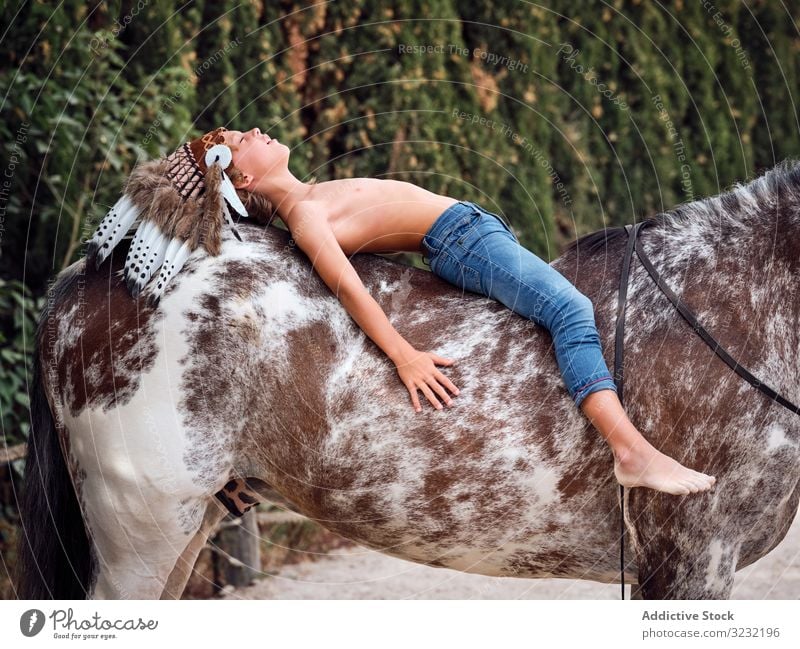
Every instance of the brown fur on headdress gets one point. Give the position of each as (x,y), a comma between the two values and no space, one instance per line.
(206,232)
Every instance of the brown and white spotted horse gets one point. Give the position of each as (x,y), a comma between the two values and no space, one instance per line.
(250,368)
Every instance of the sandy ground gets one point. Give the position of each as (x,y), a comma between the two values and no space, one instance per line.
(361,573)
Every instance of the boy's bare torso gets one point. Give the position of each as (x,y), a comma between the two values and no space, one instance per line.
(375,215)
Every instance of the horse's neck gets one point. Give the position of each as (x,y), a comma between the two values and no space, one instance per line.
(737,272)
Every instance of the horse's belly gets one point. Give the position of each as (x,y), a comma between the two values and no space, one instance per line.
(519,525)
(505,551)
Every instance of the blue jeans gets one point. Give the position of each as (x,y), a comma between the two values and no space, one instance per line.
(475,250)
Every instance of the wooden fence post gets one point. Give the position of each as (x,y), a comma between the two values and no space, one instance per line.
(238,550)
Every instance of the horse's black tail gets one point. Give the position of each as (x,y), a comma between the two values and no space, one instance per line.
(54,552)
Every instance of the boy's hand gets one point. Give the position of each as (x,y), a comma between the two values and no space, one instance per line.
(418,370)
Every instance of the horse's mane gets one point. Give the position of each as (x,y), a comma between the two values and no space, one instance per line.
(781,182)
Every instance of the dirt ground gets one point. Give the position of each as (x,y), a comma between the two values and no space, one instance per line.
(361,573)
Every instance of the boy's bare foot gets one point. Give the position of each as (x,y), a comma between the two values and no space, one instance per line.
(646,466)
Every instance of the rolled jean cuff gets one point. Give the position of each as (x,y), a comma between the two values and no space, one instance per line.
(604,382)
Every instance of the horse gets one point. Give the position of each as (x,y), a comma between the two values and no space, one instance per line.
(250,370)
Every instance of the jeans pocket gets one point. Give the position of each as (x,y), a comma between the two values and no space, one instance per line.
(471,280)
(469,229)
(455,229)
(428,244)
(452,269)
(467,225)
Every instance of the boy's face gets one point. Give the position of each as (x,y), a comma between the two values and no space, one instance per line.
(256,155)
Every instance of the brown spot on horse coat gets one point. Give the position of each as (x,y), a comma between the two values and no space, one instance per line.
(98,352)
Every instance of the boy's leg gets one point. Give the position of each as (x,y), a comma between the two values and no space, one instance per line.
(529,286)
(637,463)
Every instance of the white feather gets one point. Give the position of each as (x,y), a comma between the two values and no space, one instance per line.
(177,254)
(148,240)
(121,216)
(102,232)
(135,251)
(228,218)
(229,193)
(150,263)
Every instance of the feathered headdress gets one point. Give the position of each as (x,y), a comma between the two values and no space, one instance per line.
(179,203)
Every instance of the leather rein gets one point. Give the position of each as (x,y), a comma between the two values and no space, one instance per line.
(633,244)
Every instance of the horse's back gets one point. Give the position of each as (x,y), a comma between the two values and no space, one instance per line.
(250,366)
(510,480)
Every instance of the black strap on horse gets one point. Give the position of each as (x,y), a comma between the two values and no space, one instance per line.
(633,244)
(619,378)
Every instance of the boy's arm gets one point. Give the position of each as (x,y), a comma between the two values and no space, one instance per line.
(316,239)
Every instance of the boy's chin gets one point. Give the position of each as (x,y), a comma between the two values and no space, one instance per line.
(278,166)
